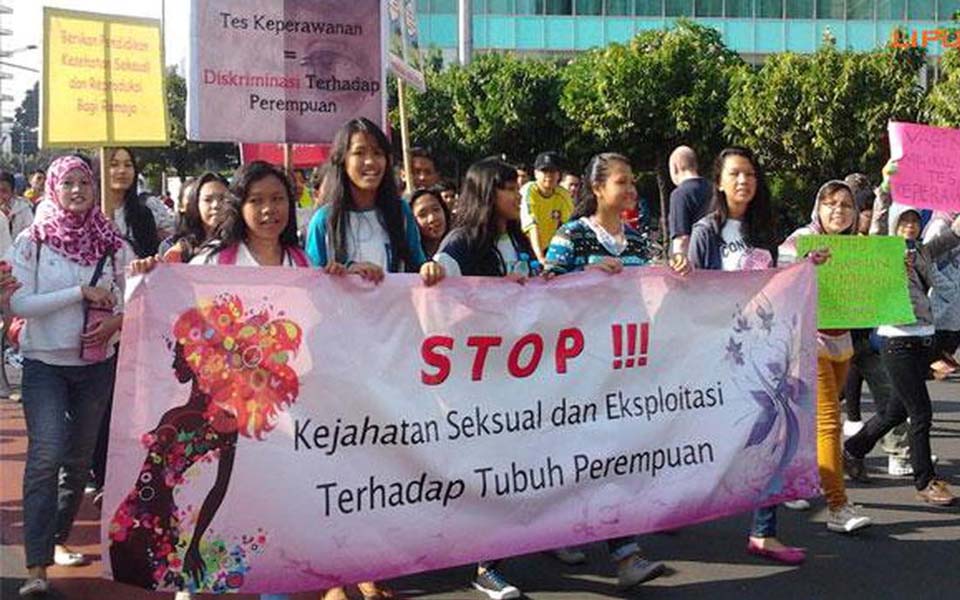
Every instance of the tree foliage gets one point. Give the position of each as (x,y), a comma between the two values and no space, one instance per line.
(499,104)
(824,115)
(944,101)
(26,123)
(664,88)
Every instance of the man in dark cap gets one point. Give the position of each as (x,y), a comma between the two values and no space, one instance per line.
(544,205)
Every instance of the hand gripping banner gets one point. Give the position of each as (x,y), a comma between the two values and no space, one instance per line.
(296,431)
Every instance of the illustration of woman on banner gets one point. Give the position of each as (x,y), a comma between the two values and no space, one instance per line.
(238,366)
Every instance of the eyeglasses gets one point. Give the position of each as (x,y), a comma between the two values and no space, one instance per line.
(837,207)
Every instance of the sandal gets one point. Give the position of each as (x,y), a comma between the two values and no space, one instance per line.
(370,591)
(335,594)
(34,587)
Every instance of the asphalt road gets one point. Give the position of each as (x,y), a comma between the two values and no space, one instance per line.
(911,552)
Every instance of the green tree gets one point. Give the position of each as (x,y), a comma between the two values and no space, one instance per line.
(499,104)
(664,88)
(506,104)
(821,116)
(26,122)
(943,102)
(430,119)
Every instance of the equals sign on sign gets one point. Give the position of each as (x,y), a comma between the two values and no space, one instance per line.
(290,55)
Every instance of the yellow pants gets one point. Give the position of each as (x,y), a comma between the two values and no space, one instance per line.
(831,376)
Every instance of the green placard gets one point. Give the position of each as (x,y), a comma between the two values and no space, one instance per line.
(864,284)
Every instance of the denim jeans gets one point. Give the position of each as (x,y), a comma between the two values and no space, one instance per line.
(866,365)
(63,407)
(764,522)
(906,360)
(947,342)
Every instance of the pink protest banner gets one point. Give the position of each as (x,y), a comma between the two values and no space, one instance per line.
(284,71)
(269,435)
(928,171)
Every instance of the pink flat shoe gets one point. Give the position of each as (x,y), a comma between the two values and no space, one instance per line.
(788,555)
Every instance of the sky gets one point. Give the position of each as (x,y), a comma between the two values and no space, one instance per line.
(26,26)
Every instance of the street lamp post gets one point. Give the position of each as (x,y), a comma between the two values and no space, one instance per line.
(465,31)
(7,98)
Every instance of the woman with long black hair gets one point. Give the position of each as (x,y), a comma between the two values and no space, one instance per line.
(206,203)
(363,223)
(738,234)
(142,219)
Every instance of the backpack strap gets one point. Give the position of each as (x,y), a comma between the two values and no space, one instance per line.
(298,256)
(228,256)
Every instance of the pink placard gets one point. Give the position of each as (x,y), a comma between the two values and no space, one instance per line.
(928,171)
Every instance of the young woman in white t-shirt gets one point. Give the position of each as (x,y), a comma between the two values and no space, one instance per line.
(259,230)
(738,234)
(363,224)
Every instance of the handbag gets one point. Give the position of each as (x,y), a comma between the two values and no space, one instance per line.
(93,315)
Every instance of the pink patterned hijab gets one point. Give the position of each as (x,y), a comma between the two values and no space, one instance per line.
(83,239)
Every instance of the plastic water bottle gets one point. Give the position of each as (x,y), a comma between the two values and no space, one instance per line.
(522,265)
(536,268)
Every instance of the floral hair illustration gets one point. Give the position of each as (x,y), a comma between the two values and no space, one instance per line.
(238,365)
(241,363)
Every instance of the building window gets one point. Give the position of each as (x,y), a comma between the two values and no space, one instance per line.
(891,10)
(770,9)
(948,8)
(619,7)
(558,7)
(921,10)
(648,8)
(800,9)
(443,7)
(740,8)
(589,7)
(830,9)
(529,7)
(679,8)
(709,8)
(500,7)
(860,9)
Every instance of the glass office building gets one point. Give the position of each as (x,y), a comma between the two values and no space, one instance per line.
(753,28)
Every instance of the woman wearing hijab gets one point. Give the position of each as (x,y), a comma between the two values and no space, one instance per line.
(70,264)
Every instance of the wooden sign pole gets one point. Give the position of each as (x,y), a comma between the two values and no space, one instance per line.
(404,137)
(105,204)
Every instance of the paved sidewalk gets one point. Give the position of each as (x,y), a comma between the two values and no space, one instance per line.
(912,551)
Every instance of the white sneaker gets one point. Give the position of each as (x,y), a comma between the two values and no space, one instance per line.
(183,596)
(65,557)
(846,519)
(799,504)
(34,587)
(852,428)
(492,583)
(569,556)
(899,466)
(637,570)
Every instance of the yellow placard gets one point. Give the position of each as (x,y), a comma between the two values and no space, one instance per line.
(103,80)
